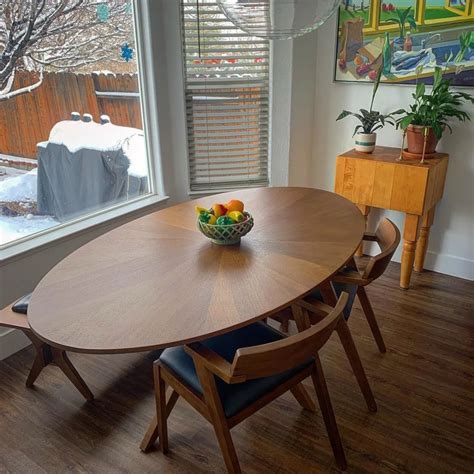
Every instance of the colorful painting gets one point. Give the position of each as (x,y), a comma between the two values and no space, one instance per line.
(409,37)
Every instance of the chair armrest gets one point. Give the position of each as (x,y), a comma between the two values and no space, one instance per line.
(351,277)
(213,362)
(315,306)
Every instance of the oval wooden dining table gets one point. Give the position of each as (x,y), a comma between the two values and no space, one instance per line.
(157,281)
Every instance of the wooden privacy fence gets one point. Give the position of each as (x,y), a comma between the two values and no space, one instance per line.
(27,119)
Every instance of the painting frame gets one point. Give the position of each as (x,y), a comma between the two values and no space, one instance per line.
(436,40)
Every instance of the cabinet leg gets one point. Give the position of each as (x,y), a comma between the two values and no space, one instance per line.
(422,244)
(410,232)
(365,212)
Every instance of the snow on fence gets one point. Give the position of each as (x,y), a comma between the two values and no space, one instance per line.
(27,119)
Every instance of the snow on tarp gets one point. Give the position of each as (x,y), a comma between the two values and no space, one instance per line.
(78,135)
(19,188)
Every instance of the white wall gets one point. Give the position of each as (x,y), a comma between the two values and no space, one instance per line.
(451,246)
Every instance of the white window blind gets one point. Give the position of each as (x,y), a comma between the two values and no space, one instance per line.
(227,100)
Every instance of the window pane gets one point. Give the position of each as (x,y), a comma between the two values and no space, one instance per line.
(72,140)
(391,9)
(352,9)
(436,9)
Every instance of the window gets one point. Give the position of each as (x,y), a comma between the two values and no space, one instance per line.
(72,142)
(227,100)
(377,15)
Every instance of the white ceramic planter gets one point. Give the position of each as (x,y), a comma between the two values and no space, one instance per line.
(365,142)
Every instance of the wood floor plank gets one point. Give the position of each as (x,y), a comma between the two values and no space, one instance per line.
(423,386)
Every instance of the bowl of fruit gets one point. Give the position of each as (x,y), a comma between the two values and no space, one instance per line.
(224,224)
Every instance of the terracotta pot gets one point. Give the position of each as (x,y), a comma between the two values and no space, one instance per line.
(365,142)
(416,137)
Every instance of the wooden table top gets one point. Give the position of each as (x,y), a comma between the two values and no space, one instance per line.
(387,154)
(157,281)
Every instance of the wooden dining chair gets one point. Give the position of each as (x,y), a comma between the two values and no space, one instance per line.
(229,377)
(14,317)
(353,281)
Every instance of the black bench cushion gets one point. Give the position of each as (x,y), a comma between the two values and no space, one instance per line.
(21,305)
(234,397)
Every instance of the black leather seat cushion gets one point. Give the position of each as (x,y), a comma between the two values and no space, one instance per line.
(234,397)
(339,288)
(21,305)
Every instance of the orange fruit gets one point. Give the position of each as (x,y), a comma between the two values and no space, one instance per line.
(219,210)
(235,205)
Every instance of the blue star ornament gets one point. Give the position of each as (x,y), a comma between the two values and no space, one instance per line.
(127,52)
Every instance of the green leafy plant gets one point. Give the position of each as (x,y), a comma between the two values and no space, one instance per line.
(466,40)
(402,18)
(370,120)
(436,108)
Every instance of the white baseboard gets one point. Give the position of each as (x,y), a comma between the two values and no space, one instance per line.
(437,262)
(11,341)
(450,265)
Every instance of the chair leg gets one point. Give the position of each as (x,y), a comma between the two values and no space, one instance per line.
(342,329)
(151,434)
(303,398)
(161,411)
(351,351)
(61,359)
(369,314)
(328,414)
(218,418)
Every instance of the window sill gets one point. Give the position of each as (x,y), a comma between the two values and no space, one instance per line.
(67,231)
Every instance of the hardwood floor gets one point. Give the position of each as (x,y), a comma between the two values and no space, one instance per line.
(423,386)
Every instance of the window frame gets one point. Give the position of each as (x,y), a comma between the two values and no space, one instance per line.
(374,24)
(149,111)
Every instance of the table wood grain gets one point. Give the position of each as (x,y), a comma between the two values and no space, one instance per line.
(157,281)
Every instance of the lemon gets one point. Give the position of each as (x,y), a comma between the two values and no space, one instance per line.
(236,216)
(201,210)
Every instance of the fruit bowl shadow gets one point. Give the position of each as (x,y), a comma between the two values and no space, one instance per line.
(227,234)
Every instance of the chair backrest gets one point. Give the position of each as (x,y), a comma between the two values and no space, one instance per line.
(388,237)
(275,357)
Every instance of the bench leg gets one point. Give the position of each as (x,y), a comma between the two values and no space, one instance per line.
(61,359)
(38,365)
(46,355)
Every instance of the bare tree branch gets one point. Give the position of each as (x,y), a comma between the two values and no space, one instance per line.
(60,35)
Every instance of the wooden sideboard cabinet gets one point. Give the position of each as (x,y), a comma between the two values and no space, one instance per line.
(380,180)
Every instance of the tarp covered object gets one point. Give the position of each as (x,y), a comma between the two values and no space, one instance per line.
(73,183)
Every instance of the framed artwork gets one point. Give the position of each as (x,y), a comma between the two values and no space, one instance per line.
(409,37)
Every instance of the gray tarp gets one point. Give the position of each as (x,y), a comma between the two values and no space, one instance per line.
(72,184)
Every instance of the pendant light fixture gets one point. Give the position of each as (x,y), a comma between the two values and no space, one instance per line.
(278,19)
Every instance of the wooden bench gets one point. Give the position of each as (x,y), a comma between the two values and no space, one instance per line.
(45,354)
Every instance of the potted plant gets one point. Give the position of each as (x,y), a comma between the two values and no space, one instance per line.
(401,19)
(370,121)
(427,118)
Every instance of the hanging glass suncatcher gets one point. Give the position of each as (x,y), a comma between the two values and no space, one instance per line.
(102,12)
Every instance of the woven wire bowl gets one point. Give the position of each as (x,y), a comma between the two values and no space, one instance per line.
(227,234)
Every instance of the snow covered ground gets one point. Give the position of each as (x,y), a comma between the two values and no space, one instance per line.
(13,228)
(18,186)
